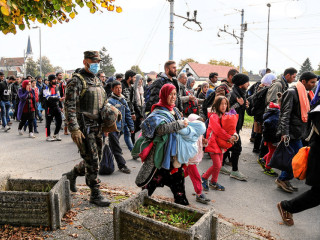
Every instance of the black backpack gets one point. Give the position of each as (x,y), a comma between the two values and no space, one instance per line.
(259,102)
(107,162)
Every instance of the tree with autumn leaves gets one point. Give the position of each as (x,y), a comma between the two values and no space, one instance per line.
(19,13)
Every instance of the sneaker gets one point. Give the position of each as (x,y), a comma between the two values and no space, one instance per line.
(205,186)
(238,175)
(50,139)
(125,169)
(283,185)
(57,137)
(31,135)
(7,128)
(9,123)
(20,131)
(224,170)
(271,172)
(216,186)
(285,215)
(291,186)
(262,163)
(202,199)
(36,131)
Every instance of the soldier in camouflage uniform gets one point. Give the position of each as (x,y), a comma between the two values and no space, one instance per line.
(85,97)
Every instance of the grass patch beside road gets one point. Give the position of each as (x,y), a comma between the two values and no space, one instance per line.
(248,121)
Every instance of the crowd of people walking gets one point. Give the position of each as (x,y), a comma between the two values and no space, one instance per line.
(170,124)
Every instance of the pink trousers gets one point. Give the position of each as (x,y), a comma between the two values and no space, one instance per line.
(214,170)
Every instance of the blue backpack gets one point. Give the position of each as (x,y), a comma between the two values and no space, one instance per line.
(107,162)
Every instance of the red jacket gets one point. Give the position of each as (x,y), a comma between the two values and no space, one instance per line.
(215,131)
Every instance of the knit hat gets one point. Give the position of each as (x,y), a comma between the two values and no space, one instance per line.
(25,83)
(240,79)
(51,77)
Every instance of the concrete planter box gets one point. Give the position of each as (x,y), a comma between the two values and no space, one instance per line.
(30,202)
(130,225)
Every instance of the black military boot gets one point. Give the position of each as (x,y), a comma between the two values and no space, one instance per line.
(71,176)
(97,198)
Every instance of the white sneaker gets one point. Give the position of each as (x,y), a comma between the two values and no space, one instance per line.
(7,128)
(57,137)
(50,139)
(20,131)
(31,135)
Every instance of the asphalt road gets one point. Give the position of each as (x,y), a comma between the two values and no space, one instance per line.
(252,202)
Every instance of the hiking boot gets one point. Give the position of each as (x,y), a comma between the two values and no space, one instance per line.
(97,198)
(50,139)
(283,185)
(262,163)
(255,150)
(71,176)
(271,172)
(202,199)
(57,137)
(238,175)
(224,170)
(31,135)
(291,186)
(285,215)
(216,186)
(205,186)
(20,131)
(125,169)
(6,128)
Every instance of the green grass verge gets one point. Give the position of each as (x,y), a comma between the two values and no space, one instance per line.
(248,121)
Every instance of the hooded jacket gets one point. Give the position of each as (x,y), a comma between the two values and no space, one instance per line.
(121,104)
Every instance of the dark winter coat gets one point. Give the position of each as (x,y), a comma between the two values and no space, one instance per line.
(313,170)
(270,125)
(290,122)
(240,109)
(155,90)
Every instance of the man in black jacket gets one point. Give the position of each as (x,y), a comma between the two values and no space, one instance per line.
(5,104)
(168,76)
(238,102)
(292,126)
(53,108)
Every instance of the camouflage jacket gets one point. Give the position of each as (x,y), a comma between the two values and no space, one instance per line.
(78,101)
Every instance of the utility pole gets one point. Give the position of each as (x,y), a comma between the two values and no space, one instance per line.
(171,29)
(241,40)
(243,29)
(188,19)
(268,5)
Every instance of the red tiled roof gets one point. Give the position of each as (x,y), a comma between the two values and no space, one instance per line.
(12,62)
(203,70)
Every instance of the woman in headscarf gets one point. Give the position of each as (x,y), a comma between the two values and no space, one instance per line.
(190,83)
(139,99)
(159,130)
(26,108)
(204,90)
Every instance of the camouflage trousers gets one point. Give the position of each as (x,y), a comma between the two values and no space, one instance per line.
(91,151)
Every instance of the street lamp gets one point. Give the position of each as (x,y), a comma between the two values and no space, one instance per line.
(40,48)
(268,5)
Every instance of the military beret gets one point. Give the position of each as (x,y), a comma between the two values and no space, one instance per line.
(94,55)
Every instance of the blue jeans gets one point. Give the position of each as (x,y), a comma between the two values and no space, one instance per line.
(296,145)
(127,138)
(5,106)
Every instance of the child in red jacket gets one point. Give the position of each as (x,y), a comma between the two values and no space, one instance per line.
(214,132)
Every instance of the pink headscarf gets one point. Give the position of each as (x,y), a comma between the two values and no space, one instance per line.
(164,93)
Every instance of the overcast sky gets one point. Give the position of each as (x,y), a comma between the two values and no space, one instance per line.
(140,34)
